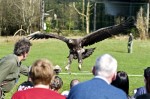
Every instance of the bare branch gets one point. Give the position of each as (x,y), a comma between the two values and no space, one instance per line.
(78,10)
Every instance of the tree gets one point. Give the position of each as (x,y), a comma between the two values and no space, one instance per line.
(83,10)
(67,18)
(15,14)
(142,25)
(0,17)
(87,15)
(29,12)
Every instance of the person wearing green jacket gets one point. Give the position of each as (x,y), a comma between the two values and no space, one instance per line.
(11,68)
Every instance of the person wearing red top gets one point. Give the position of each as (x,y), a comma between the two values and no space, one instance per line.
(41,74)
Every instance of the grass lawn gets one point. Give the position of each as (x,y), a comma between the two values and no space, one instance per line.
(57,52)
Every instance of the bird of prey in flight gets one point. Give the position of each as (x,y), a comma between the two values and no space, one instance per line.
(76,46)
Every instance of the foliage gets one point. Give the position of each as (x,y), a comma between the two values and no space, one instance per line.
(27,13)
(67,17)
(48,26)
(142,25)
(134,31)
(17,13)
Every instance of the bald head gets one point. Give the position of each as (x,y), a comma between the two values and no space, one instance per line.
(74,82)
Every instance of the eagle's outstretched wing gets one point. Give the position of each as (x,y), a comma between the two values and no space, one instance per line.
(107,32)
(46,36)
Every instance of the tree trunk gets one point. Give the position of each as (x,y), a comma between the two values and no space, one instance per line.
(141,24)
(42,15)
(147,20)
(83,10)
(94,24)
(88,18)
(87,15)
(0,20)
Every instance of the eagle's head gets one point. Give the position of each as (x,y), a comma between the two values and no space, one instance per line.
(70,41)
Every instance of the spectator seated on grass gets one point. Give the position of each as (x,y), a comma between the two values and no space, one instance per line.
(122,82)
(27,84)
(145,89)
(56,84)
(72,84)
(143,96)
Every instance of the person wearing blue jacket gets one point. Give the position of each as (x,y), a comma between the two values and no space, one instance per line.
(99,87)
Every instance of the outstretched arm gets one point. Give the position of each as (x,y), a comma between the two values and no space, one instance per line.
(24,70)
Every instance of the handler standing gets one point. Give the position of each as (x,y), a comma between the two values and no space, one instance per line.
(10,66)
(130,43)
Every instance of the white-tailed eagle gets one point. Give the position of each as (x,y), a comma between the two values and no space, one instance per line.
(76,46)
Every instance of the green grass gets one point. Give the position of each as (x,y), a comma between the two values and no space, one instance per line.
(57,52)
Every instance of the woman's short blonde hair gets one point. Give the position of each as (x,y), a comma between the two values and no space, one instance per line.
(41,72)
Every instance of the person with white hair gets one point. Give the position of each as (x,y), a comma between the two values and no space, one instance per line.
(99,87)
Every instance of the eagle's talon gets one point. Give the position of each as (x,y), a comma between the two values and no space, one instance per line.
(79,67)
